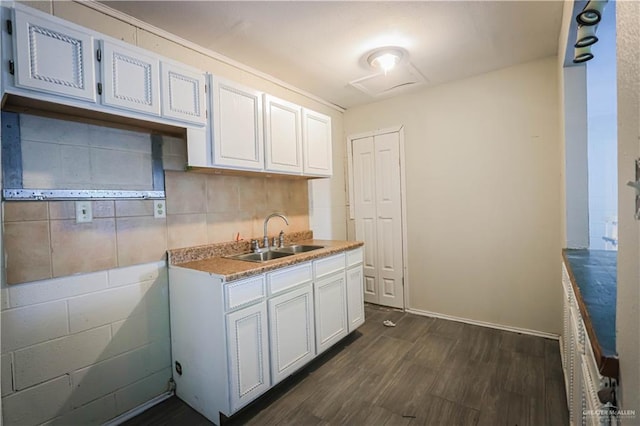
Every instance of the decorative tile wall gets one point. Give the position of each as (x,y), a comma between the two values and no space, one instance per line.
(42,239)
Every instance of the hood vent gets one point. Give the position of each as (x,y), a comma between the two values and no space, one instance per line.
(381,84)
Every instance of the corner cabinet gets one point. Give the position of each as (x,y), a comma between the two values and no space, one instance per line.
(233,341)
(237,126)
(52,57)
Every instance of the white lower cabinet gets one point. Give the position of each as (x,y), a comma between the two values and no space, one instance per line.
(355,297)
(233,341)
(248,351)
(292,337)
(330,302)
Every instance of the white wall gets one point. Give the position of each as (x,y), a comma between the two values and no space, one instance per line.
(86,348)
(574,117)
(628,306)
(483,194)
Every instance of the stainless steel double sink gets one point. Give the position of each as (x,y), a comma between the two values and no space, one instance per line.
(275,253)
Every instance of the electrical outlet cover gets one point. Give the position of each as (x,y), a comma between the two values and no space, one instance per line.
(159,209)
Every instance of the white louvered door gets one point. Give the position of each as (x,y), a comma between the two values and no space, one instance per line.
(378,216)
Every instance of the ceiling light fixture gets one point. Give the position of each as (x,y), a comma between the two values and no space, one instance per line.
(386,58)
(592,12)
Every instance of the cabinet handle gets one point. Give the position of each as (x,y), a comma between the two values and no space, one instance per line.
(9,27)
(99,55)
(12,68)
(99,88)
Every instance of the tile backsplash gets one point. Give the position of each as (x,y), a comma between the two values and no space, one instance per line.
(42,239)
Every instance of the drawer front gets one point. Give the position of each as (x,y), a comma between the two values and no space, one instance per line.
(244,292)
(354,257)
(328,265)
(285,279)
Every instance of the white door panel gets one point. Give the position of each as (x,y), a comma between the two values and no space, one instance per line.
(292,334)
(378,216)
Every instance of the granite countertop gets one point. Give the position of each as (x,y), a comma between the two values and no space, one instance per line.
(231,269)
(593,275)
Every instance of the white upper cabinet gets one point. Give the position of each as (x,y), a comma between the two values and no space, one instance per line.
(316,138)
(131,78)
(282,135)
(237,126)
(52,57)
(183,94)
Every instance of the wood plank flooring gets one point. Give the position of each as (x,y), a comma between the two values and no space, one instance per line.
(424,371)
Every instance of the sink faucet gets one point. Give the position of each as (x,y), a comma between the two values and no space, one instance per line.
(265,239)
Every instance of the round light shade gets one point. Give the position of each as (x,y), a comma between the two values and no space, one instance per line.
(386,58)
(586,36)
(592,12)
(582,54)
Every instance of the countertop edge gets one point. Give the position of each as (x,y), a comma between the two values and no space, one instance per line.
(607,366)
(250,269)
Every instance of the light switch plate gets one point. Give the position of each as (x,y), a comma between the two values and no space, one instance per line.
(159,209)
(84,212)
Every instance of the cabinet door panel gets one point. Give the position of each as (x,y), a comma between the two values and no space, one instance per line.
(247,340)
(317,144)
(131,79)
(283,135)
(355,295)
(53,58)
(237,126)
(330,302)
(183,94)
(292,336)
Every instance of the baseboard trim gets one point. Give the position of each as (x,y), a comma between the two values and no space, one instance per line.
(485,324)
(139,409)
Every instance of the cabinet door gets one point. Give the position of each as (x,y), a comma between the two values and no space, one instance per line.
(331,310)
(292,337)
(51,57)
(282,135)
(316,139)
(355,297)
(183,93)
(248,352)
(237,126)
(131,79)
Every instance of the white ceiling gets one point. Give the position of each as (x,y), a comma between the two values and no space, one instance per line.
(319,46)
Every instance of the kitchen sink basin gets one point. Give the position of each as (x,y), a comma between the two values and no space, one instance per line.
(298,248)
(261,257)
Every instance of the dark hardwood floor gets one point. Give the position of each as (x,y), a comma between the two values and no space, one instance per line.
(424,371)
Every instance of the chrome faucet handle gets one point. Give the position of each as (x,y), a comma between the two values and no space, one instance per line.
(274,242)
(281,239)
(254,246)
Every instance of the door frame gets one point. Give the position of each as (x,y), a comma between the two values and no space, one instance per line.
(403,195)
